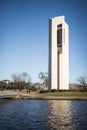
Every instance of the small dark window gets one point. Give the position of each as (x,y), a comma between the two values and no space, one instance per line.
(59,35)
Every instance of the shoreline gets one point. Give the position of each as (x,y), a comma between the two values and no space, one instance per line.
(35,96)
(49,97)
(43,98)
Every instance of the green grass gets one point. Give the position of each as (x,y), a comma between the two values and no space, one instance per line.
(66,94)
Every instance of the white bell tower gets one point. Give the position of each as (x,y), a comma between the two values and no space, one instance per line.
(58,54)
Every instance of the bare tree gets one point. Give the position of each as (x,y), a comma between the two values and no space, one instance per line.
(21,77)
(21,80)
(82,80)
(16,77)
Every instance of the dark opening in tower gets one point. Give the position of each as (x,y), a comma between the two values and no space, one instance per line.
(59,35)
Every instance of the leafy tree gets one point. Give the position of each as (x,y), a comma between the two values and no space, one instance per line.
(25,77)
(1,85)
(44,78)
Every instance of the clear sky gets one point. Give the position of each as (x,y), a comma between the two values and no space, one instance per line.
(24,36)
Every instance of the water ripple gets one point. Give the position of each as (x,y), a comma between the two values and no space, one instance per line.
(43,115)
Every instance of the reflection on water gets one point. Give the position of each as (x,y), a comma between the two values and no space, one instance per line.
(43,115)
(61,115)
(4,101)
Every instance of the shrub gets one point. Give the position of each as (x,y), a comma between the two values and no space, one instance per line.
(44,91)
(54,90)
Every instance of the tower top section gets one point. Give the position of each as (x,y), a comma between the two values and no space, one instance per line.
(58,20)
(61,18)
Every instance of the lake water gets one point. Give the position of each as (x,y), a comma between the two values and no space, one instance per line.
(43,115)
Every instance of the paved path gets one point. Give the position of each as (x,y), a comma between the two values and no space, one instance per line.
(9,93)
(16,94)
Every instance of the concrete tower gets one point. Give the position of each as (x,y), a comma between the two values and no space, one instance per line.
(58,54)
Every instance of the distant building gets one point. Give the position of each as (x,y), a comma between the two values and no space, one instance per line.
(6,81)
(58,54)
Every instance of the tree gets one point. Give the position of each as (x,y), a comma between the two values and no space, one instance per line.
(1,85)
(82,80)
(16,77)
(21,80)
(44,78)
(21,77)
(41,76)
(25,77)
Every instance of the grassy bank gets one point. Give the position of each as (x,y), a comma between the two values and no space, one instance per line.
(66,94)
(45,95)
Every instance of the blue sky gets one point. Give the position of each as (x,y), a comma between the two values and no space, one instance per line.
(24,36)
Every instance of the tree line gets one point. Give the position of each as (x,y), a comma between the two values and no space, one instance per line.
(22,81)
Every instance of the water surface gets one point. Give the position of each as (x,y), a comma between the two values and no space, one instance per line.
(43,115)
